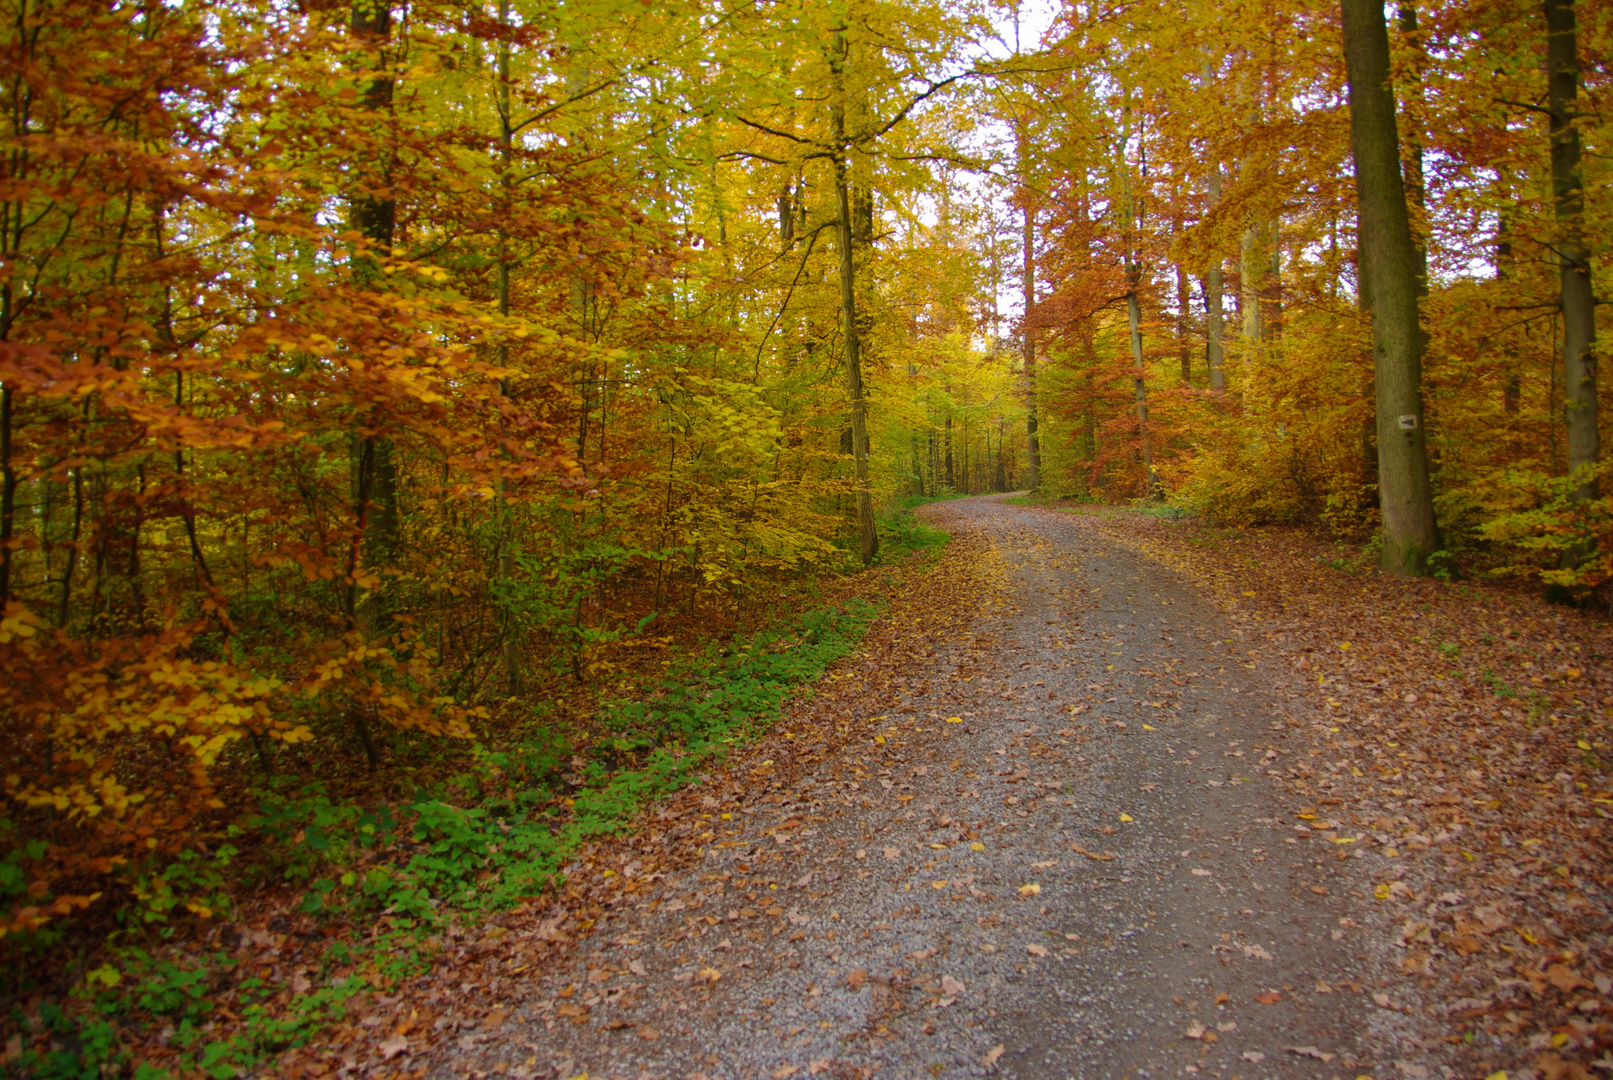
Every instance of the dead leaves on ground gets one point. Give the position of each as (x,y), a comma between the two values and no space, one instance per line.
(1462,747)
(931,609)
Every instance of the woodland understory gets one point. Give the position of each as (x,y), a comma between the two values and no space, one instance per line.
(432,435)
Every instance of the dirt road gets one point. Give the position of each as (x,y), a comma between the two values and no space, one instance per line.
(1059,855)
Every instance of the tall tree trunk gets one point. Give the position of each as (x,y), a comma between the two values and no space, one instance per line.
(1033,446)
(1133,210)
(1271,301)
(511,645)
(1410,535)
(374,217)
(1139,382)
(1578,302)
(1412,144)
(1214,289)
(1505,264)
(1250,272)
(373,213)
(867,534)
(1184,349)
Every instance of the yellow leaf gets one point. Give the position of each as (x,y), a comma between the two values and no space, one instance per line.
(106,975)
(1149,727)
(954,719)
(977,846)
(938,884)
(1127,817)
(1246,593)
(1032,889)
(1583,745)
(1381,892)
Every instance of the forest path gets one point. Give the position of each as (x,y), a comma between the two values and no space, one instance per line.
(1063,860)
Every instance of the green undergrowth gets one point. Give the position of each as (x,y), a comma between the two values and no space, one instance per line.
(381,880)
(903,533)
(1060,500)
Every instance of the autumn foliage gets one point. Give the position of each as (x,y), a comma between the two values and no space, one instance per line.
(1216,142)
(369,372)
(364,372)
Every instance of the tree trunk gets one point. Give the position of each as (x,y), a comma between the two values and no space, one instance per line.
(374,465)
(1250,273)
(1033,446)
(867,535)
(1410,535)
(1412,148)
(1214,289)
(1184,350)
(1574,258)
(1134,319)
(511,645)
(1139,383)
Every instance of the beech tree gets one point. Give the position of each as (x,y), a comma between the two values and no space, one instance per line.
(1389,255)
(1578,299)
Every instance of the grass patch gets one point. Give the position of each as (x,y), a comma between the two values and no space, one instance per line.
(903,533)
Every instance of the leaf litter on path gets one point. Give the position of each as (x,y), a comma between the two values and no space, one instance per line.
(1461,746)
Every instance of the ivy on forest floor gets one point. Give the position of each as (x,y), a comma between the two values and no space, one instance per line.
(484,840)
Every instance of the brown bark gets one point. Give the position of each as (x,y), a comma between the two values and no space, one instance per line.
(867,534)
(1389,257)
(1574,257)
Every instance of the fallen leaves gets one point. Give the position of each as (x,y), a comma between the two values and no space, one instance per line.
(1268,997)
(993,1055)
(1310,1052)
(856,978)
(392,1046)
(1036,950)
(1460,735)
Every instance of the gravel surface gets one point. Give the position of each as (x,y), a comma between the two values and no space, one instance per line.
(1065,859)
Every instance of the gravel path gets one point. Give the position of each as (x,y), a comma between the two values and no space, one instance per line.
(1063,860)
